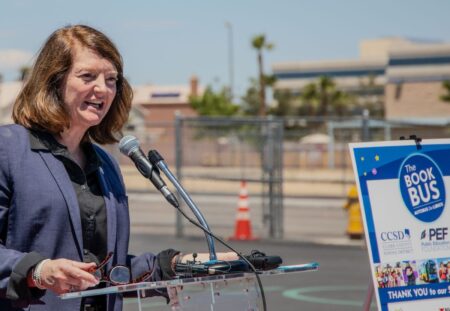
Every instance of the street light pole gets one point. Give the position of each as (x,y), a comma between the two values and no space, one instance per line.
(230,58)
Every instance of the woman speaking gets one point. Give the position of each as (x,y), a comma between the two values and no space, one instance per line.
(63,206)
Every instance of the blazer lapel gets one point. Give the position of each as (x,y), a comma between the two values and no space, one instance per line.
(110,210)
(59,173)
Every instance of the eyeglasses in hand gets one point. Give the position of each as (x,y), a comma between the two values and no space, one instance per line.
(118,275)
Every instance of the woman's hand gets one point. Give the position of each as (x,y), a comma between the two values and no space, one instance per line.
(202,257)
(64,275)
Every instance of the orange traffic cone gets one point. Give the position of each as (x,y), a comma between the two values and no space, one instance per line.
(243,227)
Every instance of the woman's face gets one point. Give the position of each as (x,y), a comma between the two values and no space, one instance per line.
(89,88)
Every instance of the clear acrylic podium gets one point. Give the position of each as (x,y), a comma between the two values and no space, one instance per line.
(234,291)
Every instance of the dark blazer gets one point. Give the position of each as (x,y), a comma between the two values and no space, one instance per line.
(39,213)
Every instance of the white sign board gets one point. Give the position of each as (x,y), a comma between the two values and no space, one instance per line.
(404,191)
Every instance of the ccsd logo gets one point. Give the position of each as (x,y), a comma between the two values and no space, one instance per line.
(422,187)
(395,235)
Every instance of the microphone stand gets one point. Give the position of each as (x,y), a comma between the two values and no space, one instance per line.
(156,159)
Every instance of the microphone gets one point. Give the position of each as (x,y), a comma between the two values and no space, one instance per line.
(129,146)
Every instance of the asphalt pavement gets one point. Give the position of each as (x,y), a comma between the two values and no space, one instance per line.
(312,211)
(313,220)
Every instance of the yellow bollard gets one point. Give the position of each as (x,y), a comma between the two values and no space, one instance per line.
(355,229)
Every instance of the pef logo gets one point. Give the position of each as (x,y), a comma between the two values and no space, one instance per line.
(422,187)
(434,234)
(395,235)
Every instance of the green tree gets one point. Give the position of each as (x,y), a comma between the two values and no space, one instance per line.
(214,104)
(322,98)
(260,44)
(341,103)
(309,100)
(446,96)
(284,103)
(250,101)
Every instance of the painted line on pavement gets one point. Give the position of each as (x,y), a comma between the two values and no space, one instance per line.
(303,295)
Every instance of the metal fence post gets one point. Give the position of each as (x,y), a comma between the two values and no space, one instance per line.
(387,131)
(272,175)
(266,207)
(269,170)
(330,127)
(365,135)
(278,178)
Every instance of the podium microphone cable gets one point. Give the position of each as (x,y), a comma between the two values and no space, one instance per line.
(252,267)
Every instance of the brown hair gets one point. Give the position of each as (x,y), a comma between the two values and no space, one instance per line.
(40,105)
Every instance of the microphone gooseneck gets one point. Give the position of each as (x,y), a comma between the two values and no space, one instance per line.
(129,146)
(157,160)
(213,266)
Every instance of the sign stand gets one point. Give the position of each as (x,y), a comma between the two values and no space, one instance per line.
(369,296)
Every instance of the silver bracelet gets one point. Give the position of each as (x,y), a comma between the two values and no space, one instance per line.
(36,275)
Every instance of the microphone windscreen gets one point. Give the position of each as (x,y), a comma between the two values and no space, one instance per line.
(127,144)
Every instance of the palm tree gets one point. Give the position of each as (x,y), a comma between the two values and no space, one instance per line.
(322,97)
(446,85)
(285,103)
(309,100)
(317,95)
(259,44)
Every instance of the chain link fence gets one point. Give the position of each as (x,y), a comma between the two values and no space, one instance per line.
(279,159)
(222,152)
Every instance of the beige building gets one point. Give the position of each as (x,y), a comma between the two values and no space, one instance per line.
(160,103)
(154,111)
(414,86)
(407,76)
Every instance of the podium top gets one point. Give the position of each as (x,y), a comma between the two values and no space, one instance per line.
(188,281)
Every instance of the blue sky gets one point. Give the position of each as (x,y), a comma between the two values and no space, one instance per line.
(165,42)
